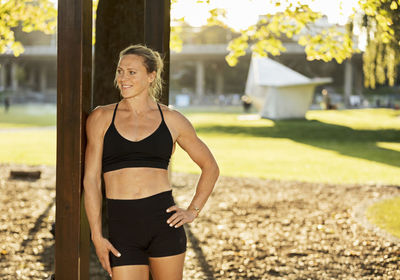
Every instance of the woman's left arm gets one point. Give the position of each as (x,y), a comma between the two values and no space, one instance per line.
(202,156)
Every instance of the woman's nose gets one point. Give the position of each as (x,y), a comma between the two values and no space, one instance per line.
(123,77)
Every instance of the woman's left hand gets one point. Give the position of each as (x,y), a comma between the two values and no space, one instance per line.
(181,216)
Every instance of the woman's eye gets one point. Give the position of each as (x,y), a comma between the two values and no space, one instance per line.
(119,71)
(131,72)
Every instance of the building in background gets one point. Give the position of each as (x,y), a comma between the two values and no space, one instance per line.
(199,73)
(32,76)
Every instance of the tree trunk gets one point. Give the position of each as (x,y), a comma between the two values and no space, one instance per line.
(118,25)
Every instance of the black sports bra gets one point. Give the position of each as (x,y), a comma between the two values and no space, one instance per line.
(153,151)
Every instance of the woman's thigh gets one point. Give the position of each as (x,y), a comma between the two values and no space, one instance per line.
(167,268)
(129,272)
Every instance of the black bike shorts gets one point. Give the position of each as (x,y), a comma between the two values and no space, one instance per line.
(138,229)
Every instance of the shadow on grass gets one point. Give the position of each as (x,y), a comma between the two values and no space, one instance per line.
(342,139)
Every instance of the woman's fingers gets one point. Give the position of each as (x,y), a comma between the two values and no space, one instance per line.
(180,217)
(114,251)
(173,220)
(105,261)
(180,223)
(103,250)
(107,265)
(172,208)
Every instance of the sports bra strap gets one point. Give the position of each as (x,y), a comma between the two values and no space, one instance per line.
(159,108)
(115,110)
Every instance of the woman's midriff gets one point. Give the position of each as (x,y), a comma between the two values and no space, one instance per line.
(134,183)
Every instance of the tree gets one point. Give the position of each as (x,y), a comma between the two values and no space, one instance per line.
(380,20)
(39,15)
(116,29)
(377,18)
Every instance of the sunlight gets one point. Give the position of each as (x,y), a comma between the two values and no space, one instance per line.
(240,14)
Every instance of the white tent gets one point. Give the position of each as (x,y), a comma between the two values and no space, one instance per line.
(279,92)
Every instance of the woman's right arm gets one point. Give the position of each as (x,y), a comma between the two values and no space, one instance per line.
(95,127)
(92,174)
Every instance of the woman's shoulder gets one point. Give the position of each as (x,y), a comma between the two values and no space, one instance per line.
(171,113)
(101,114)
(174,117)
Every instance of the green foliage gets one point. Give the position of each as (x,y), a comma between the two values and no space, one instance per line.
(329,44)
(378,18)
(31,15)
(266,36)
(216,17)
(176,41)
(382,55)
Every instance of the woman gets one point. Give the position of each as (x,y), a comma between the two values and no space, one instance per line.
(131,142)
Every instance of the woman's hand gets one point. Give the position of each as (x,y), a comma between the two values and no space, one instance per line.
(103,247)
(181,216)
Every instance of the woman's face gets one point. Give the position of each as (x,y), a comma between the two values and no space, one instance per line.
(132,77)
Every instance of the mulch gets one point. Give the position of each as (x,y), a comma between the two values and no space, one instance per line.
(250,228)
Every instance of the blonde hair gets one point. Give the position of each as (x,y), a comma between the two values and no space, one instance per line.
(152,62)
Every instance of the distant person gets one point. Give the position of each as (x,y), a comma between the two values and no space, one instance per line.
(130,143)
(246,102)
(6,104)
(327,99)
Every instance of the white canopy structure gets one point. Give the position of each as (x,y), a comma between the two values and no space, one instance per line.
(279,92)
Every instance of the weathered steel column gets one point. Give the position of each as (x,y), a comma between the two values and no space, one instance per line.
(74,63)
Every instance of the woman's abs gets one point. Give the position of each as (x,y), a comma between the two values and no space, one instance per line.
(134,183)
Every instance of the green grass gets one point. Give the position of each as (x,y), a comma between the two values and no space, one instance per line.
(348,146)
(28,115)
(29,147)
(386,214)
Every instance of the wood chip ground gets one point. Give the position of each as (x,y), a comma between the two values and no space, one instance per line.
(250,229)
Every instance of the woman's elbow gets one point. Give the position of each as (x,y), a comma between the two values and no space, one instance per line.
(90,183)
(213,168)
(216,168)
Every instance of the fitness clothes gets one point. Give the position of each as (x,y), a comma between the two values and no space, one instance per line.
(138,229)
(153,151)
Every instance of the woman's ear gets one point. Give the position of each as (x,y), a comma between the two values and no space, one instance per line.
(152,76)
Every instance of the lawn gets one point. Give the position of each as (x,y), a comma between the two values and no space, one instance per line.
(386,214)
(347,146)
(28,115)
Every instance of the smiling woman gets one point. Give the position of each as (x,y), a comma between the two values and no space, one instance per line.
(138,71)
(130,143)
